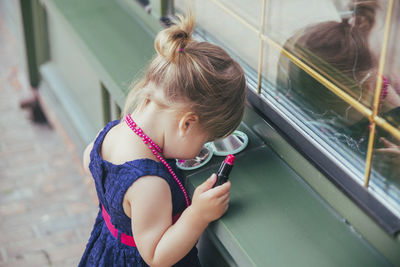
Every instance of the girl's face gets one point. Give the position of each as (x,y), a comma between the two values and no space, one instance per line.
(375,36)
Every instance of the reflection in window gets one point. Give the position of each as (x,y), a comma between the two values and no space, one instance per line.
(386,158)
(341,52)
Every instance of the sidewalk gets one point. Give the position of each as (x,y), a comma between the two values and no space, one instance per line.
(47,203)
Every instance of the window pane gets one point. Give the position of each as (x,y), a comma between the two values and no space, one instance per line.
(341,41)
(391,85)
(224,28)
(385,175)
(346,53)
(248,10)
(284,18)
(385,172)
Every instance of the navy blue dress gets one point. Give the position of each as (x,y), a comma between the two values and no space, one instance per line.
(112,181)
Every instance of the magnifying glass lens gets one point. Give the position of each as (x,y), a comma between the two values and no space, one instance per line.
(228,144)
(200,159)
(232,144)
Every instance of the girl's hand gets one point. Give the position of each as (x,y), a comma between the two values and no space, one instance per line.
(390,148)
(387,159)
(211,203)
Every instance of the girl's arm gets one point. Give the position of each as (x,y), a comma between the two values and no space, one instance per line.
(393,98)
(160,242)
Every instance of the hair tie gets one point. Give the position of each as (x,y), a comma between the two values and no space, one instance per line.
(180,49)
(346,16)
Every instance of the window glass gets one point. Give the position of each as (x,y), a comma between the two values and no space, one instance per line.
(224,28)
(324,79)
(249,10)
(385,173)
(340,39)
(345,50)
(391,83)
(283,20)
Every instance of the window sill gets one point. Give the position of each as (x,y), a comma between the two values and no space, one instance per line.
(275,218)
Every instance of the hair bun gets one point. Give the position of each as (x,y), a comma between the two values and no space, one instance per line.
(364,13)
(345,21)
(170,42)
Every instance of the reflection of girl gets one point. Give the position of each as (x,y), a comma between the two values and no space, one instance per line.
(340,52)
(191,93)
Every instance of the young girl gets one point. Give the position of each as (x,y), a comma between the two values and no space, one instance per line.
(192,92)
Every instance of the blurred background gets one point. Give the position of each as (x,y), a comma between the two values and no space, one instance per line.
(47,203)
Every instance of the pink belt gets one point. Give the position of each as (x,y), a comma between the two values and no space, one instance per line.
(125,239)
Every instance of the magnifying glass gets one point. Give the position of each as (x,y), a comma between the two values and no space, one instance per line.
(232,144)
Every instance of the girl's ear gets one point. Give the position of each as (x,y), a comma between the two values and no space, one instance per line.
(187,122)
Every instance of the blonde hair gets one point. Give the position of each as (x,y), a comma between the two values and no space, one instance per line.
(199,74)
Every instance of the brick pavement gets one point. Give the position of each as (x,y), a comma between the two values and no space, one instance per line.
(47,205)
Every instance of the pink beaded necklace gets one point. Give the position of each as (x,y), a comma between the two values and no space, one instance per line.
(156,151)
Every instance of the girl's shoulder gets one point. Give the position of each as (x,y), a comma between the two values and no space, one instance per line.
(114,155)
(114,178)
(118,145)
(98,141)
